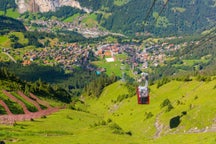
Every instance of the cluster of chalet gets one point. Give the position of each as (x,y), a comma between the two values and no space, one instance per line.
(157,53)
(109,51)
(68,55)
(47,26)
(71,54)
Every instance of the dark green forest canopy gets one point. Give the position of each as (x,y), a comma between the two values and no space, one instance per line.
(205,52)
(7,23)
(178,17)
(6,4)
(97,4)
(72,83)
(62,12)
(12,83)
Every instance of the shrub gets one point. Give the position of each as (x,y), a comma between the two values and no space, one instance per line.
(115,126)
(184,78)
(122,97)
(103,122)
(162,82)
(166,102)
(128,133)
(109,120)
(148,115)
(169,107)
(184,113)
(203,78)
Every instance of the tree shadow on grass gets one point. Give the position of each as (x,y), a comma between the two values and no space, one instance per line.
(174,122)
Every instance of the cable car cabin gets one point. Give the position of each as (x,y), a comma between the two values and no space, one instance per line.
(142,95)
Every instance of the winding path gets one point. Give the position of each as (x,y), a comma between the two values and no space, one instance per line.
(10,57)
(11,118)
(158,126)
(39,100)
(25,109)
(29,100)
(5,107)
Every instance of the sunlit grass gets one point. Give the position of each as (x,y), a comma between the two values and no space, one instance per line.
(11,13)
(68,126)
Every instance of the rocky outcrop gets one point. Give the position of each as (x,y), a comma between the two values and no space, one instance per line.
(22,5)
(46,5)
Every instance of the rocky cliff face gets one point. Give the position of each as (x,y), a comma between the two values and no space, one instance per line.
(46,5)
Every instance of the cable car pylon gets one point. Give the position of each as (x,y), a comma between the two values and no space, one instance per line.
(142,90)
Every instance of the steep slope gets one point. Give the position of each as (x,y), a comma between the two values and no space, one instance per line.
(134,17)
(178,17)
(46,5)
(23,101)
(193,110)
(126,122)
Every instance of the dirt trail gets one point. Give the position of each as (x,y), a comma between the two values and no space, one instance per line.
(26,111)
(5,107)
(158,126)
(10,57)
(29,100)
(212,128)
(11,119)
(40,101)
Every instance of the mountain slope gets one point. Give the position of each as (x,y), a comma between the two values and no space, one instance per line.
(191,104)
(134,17)
(125,122)
(178,17)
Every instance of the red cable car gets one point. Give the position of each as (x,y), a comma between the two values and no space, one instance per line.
(142,91)
(142,95)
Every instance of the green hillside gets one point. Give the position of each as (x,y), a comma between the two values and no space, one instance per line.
(100,108)
(11,13)
(107,121)
(131,17)
(158,17)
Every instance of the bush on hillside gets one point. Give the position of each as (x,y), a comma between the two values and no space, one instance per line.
(169,107)
(122,97)
(185,78)
(203,78)
(148,115)
(162,82)
(116,128)
(166,103)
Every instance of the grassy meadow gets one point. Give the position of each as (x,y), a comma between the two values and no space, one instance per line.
(11,13)
(105,120)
